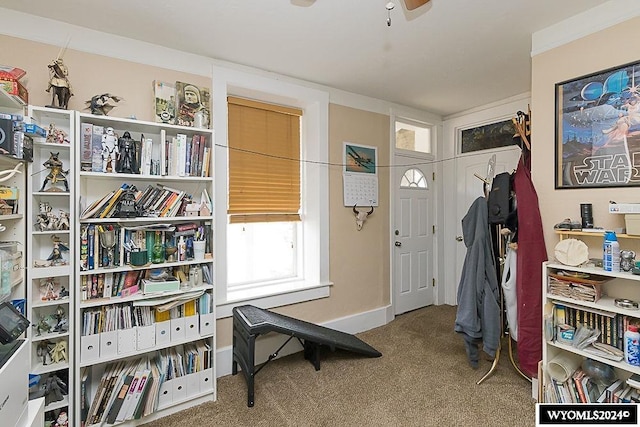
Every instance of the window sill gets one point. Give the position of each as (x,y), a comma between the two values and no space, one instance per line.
(272,296)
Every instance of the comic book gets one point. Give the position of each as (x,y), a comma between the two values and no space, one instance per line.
(165,102)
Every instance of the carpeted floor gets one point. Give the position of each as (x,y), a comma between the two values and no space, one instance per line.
(422,379)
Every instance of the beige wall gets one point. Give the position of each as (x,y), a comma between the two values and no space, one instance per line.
(609,48)
(359,260)
(91,75)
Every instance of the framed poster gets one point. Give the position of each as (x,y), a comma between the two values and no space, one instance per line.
(598,129)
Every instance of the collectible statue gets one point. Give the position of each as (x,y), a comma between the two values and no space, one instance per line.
(53,389)
(59,82)
(99,104)
(56,253)
(62,420)
(109,149)
(127,162)
(48,288)
(56,173)
(56,136)
(127,206)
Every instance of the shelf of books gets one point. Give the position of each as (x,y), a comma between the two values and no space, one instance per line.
(144,270)
(50,246)
(583,357)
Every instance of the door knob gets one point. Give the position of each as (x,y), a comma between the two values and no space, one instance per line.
(398,244)
(459,238)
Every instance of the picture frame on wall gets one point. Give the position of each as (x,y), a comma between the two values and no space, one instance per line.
(597,132)
(360,158)
(487,136)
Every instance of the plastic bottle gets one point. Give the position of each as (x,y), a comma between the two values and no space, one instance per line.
(611,252)
(632,345)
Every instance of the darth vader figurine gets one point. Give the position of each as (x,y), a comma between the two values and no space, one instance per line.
(127,156)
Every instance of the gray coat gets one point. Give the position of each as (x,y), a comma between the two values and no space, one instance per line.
(478,315)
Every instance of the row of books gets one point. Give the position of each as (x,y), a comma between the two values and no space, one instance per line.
(187,156)
(127,315)
(94,244)
(125,283)
(581,388)
(175,156)
(610,325)
(129,389)
(154,201)
(115,317)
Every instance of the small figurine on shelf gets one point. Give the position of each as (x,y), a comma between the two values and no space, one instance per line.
(56,173)
(127,159)
(42,351)
(58,352)
(109,149)
(63,221)
(59,82)
(49,289)
(62,420)
(61,320)
(127,205)
(56,253)
(99,104)
(42,327)
(56,136)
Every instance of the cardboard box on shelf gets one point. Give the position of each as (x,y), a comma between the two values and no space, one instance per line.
(15,88)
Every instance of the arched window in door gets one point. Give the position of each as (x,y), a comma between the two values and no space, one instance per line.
(413,178)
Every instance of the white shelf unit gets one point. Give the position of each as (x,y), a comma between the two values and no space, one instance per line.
(14,223)
(618,285)
(50,286)
(97,352)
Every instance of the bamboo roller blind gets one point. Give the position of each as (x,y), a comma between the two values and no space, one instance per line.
(264,161)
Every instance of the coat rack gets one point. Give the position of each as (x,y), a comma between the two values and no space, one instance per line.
(503,238)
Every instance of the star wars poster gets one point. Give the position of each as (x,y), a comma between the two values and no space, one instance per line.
(598,129)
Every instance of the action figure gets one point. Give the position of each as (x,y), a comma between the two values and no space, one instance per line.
(56,253)
(56,136)
(59,82)
(59,352)
(99,104)
(127,155)
(48,290)
(56,173)
(127,206)
(109,149)
(62,420)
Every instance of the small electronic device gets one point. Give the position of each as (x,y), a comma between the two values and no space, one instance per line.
(12,323)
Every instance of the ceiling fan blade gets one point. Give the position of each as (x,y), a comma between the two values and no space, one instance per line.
(414,4)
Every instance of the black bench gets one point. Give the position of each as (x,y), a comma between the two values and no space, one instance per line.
(249,322)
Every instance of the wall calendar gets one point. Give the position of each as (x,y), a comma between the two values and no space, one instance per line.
(360,189)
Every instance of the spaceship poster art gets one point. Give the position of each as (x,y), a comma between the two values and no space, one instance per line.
(598,129)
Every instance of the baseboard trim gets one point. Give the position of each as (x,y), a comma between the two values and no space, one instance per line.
(267,344)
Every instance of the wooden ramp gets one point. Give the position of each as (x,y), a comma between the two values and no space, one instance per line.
(249,322)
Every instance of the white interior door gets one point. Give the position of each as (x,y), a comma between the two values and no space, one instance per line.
(412,235)
(469,187)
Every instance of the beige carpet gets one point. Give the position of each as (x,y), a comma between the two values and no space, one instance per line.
(422,379)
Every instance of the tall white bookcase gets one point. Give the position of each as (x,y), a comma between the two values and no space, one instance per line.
(100,281)
(50,287)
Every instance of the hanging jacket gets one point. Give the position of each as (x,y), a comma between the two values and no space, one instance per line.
(478,314)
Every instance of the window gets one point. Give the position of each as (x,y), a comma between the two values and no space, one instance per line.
(302,240)
(264,192)
(413,178)
(413,138)
(489,136)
